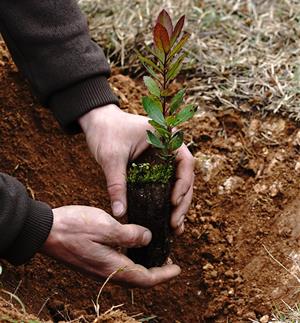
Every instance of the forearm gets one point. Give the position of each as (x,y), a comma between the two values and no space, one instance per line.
(50,44)
(24,223)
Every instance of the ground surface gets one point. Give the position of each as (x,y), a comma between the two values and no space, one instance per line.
(246,203)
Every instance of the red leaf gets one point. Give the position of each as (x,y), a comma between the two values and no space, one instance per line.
(165,20)
(177,30)
(161,37)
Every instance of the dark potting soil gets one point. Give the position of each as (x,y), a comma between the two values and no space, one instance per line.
(149,206)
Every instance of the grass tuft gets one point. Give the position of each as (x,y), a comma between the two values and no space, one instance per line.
(245,54)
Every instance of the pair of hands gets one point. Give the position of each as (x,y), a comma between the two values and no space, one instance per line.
(85,237)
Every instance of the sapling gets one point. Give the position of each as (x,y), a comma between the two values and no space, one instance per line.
(150,178)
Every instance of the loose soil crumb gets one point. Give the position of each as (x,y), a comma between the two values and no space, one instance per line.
(246,205)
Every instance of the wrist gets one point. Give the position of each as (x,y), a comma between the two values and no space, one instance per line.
(95,115)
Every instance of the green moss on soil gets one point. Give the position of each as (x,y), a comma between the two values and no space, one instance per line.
(148,173)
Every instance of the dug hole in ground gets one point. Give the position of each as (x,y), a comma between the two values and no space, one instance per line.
(244,217)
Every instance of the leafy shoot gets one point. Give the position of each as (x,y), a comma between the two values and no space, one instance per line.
(165,110)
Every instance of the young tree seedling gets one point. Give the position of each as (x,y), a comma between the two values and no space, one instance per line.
(150,180)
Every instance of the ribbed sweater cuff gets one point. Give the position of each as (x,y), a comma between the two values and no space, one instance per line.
(34,233)
(70,104)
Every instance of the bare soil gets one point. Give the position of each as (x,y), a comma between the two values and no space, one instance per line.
(246,204)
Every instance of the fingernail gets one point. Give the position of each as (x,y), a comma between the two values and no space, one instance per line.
(179,200)
(180,221)
(117,208)
(146,238)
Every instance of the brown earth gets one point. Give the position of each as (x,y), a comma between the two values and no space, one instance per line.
(246,204)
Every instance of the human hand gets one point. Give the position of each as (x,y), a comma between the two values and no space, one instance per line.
(84,237)
(115,137)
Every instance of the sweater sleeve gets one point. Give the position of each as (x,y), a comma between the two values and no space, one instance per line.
(50,43)
(24,223)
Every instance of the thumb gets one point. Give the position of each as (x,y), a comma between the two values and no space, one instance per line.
(132,235)
(115,174)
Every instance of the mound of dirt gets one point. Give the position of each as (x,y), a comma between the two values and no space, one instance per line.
(245,213)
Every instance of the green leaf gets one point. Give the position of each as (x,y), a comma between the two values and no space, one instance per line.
(170,120)
(176,101)
(153,109)
(176,141)
(177,30)
(152,86)
(185,37)
(162,130)
(157,54)
(147,61)
(153,140)
(175,68)
(185,114)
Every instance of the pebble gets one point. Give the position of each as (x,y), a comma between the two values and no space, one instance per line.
(231,292)
(208,266)
(202,219)
(229,273)
(229,238)
(192,217)
(196,233)
(214,274)
(264,319)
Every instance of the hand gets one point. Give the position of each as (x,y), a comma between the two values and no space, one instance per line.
(84,237)
(115,137)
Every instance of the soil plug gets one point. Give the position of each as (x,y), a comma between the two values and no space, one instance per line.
(150,179)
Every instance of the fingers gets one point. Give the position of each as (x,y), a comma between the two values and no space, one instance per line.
(139,276)
(178,214)
(183,190)
(127,272)
(115,172)
(184,175)
(127,235)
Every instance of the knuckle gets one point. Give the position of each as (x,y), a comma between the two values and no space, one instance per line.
(115,188)
(132,236)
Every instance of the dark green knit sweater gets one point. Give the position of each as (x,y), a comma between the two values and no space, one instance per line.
(67,71)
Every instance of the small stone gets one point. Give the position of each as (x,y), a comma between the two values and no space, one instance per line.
(229,238)
(275,189)
(202,219)
(198,207)
(214,274)
(192,217)
(230,185)
(231,292)
(264,319)
(229,273)
(260,188)
(196,233)
(209,165)
(208,266)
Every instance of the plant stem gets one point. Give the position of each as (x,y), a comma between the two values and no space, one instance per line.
(164,87)
(168,152)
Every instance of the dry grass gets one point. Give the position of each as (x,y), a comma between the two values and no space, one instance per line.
(245,54)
